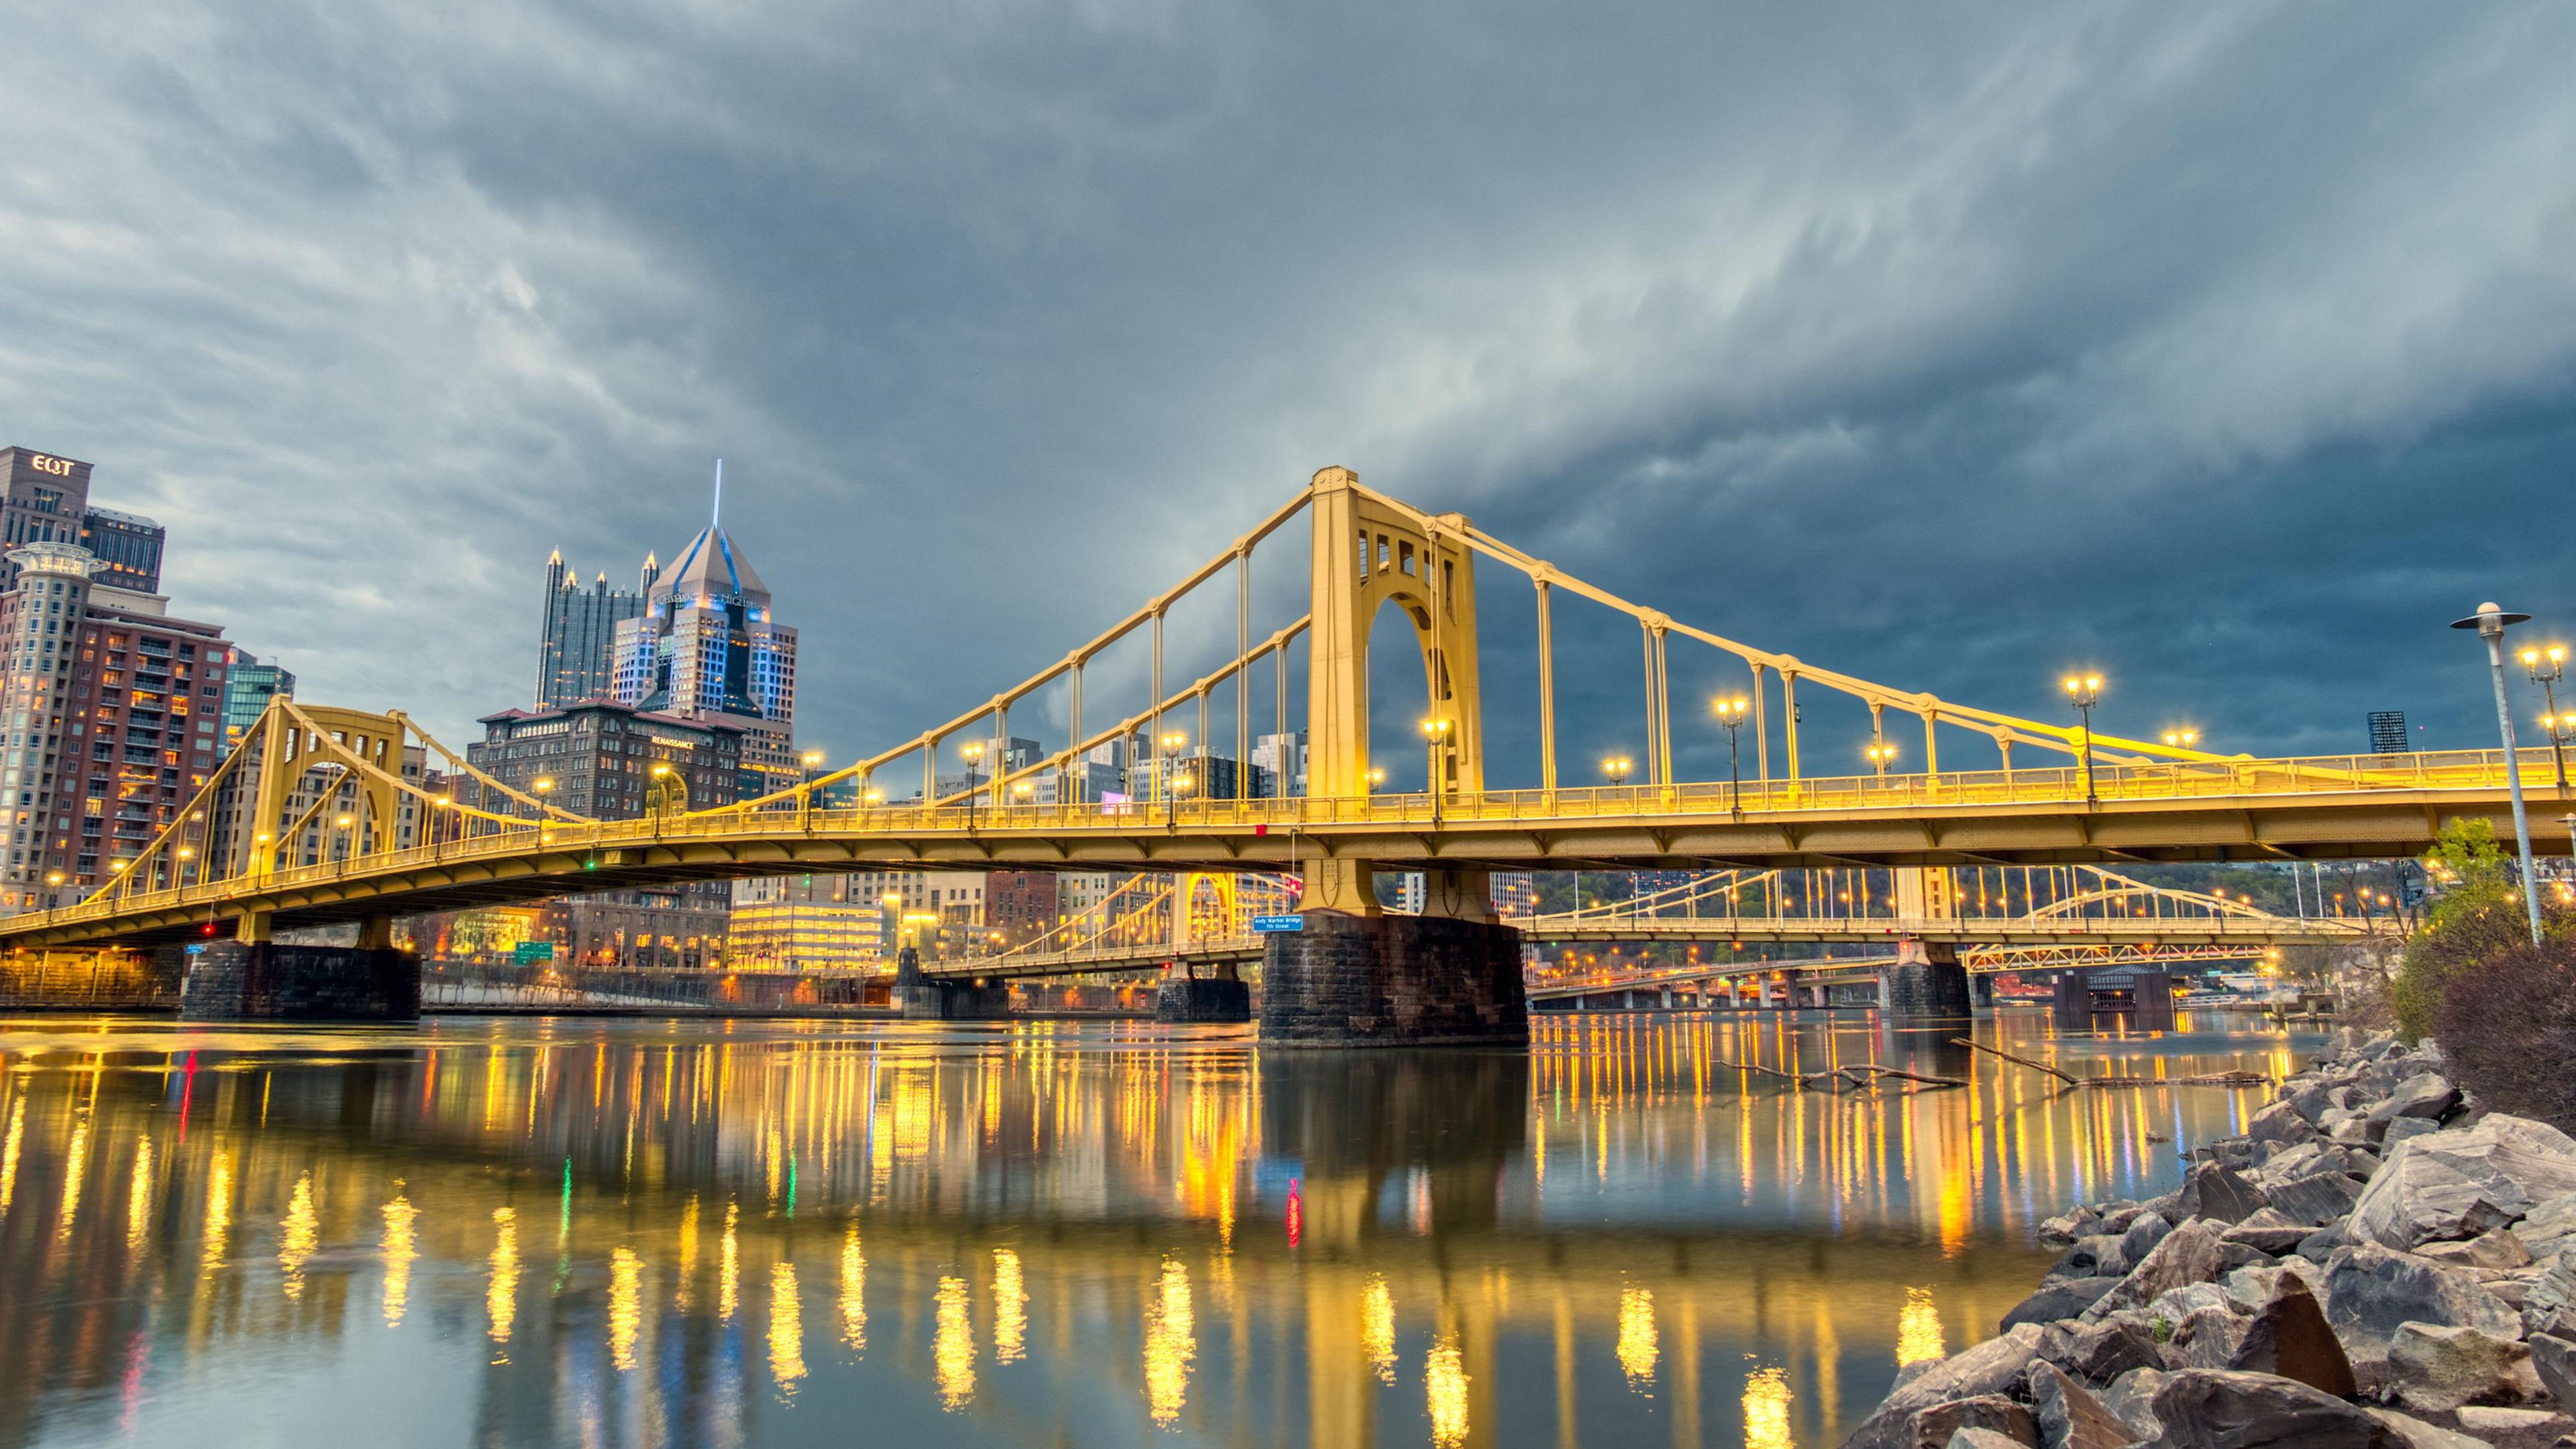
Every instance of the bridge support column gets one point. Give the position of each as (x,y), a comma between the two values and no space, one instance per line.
(1981,990)
(2072,1010)
(2153,991)
(1184,998)
(924,998)
(1359,977)
(252,926)
(264,981)
(1927,983)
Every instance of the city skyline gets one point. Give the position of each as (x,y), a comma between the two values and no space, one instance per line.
(1992,311)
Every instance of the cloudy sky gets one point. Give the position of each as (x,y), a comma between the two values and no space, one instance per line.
(2229,349)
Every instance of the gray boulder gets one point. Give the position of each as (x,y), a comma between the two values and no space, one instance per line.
(2426,1094)
(2142,1236)
(2433,1370)
(2222,1409)
(2319,1197)
(2549,1302)
(2068,1415)
(1941,1424)
(2220,1193)
(2549,1228)
(2310,1097)
(1976,1438)
(2507,1428)
(2289,1336)
(2414,1433)
(2205,1338)
(2402,1128)
(2498,1249)
(2554,1360)
(2269,1230)
(2059,1298)
(2462,1183)
(2189,1254)
(2282,1122)
(2102,1352)
(1986,1369)
(2095,1255)
(2371,1292)
(2132,1397)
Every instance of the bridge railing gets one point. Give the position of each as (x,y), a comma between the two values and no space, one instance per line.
(2460,770)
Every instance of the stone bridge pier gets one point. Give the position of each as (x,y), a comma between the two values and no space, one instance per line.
(252,978)
(928,998)
(1927,983)
(1357,976)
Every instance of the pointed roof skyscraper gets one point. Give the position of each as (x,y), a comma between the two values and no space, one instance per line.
(710,567)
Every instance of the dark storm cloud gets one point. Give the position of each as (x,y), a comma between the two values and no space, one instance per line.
(2225,348)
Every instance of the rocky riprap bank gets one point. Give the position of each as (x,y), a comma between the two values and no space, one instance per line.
(2377,1262)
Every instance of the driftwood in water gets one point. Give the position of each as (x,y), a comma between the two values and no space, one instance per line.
(1858,1076)
(2211,1079)
(2017,1061)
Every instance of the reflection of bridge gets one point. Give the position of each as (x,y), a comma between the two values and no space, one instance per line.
(327,787)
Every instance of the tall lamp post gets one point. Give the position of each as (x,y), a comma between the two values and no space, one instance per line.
(2548,666)
(2491,621)
(1881,755)
(1617,768)
(1436,733)
(813,760)
(974,753)
(2561,728)
(1730,713)
(2084,692)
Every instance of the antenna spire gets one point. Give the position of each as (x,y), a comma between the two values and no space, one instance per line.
(717,517)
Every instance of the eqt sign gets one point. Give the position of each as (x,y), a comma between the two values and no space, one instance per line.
(46,463)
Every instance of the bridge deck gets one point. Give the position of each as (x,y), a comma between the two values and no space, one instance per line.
(2342,806)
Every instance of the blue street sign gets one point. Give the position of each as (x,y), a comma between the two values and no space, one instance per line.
(197,950)
(1268,924)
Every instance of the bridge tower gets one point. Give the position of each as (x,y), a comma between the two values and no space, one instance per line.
(314,767)
(1355,975)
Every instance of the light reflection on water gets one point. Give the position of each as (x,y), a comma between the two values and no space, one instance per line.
(1037,1234)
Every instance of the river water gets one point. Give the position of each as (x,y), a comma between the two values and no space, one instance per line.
(521,1231)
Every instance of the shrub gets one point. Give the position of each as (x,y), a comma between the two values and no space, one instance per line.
(2478,918)
(2507,1025)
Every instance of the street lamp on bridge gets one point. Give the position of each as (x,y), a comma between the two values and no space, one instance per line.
(974,753)
(1881,755)
(2182,739)
(1617,768)
(1436,732)
(2548,666)
(2491,621)
(2084,692)
(1730,713)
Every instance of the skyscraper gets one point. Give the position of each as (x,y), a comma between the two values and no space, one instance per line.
(707,649)
(46,500)
(120,703)
(576,652)
(247,691)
